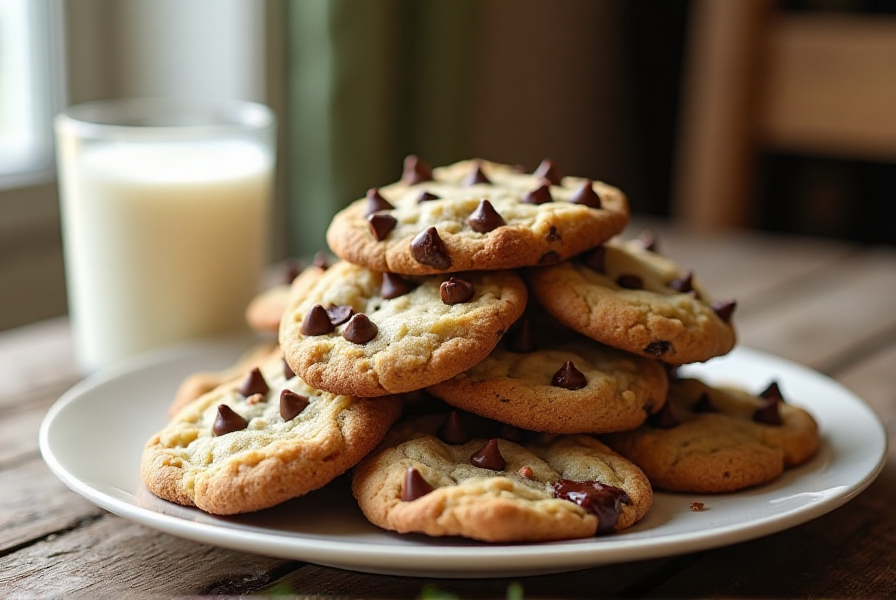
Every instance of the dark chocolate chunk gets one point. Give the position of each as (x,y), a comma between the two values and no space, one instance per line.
(596,260)
(704,404)
(489,457)
(476,176)
(452,430)
(426,197)
(664,418)
(340,313)
(485,218)
(630,282)
(456,291)
(253,384)
(415,170)
(540,195)
(228,421)
(724,308)
(428,249)
(547,170)
(288,373)
(381,225)
(602,500)
(658,349)
(569,377)
(291,404)
(394,286)
(375,202)
(519,338)
(414,485)
(683,284)
(586,195)
(360,329)
(317,321)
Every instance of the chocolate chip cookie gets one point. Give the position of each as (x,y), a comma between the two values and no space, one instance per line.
(572,387)
(476,215)
(244,448)
(709,439)
(630,297)
(454,475)
(365,333)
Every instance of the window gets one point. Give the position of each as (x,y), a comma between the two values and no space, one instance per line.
(29,90)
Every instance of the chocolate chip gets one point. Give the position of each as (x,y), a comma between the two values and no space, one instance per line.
(489,457)
(519,338)
(426,197)
(414,485)
(415,170)
(569,377)
(547,170)
(428,249)
(512,433)
(664,418)
(630,282)
(540,195)
(476,176)
(649,240)
(452,430)
(375,202)
(527,472)
(456,291)
(658,349)
(288,373)
(360,329)
(724,308)
(704,404)
(596,260)
(339,314)
(768,413)
(548,258)
(321,260)
(602,500)
(683,284)
(317,321)
(553,234)
(586,195)
(228,421)
(394,286)
(253,384)
(291,404)
(485,218)
(381,225)
(772,391)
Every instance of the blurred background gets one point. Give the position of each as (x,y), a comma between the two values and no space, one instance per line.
(778,116)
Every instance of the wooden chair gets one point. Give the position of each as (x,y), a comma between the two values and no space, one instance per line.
(758,78)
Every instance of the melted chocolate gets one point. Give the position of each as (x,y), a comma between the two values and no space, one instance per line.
(603,501)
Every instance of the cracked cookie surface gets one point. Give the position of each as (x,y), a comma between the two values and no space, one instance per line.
(616,390)
(471,237)
(514,502)
(259,457)
(632,298)
(418,339)
(718,439)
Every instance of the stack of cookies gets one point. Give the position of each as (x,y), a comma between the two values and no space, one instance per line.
(488,358)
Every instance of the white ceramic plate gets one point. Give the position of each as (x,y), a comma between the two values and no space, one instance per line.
(93,437)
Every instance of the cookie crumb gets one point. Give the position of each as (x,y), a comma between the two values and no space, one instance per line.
(697,506)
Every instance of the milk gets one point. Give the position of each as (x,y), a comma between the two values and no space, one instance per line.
(163,241)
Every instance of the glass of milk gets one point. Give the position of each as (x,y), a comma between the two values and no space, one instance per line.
(165,209)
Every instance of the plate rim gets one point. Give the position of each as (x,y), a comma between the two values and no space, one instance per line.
(448,561)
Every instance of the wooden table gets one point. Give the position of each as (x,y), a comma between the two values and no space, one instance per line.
(826,305)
